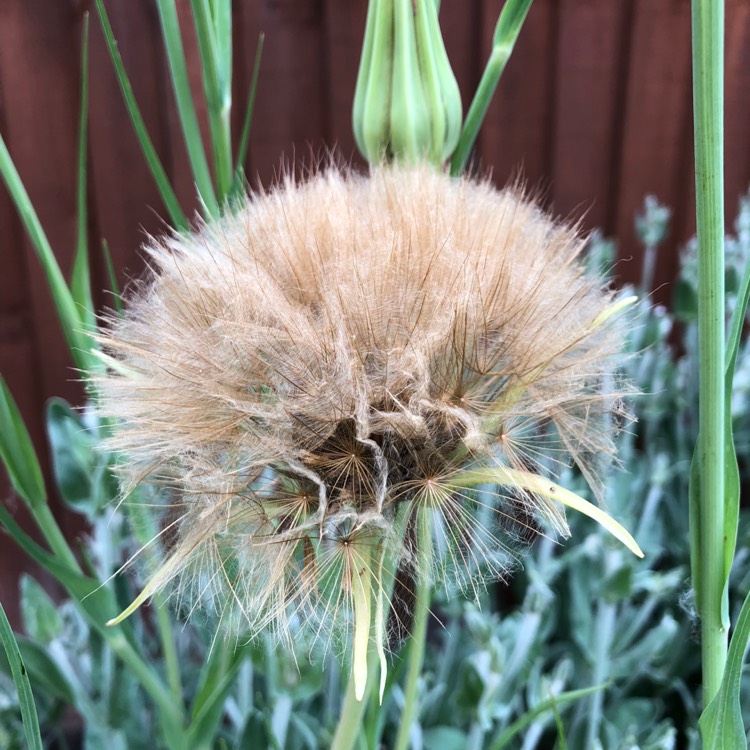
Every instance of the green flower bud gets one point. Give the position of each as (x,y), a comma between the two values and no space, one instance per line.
(407,106)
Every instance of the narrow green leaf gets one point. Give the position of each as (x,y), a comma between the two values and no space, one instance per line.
(67,311)
(21,680)
(721,722)
(507,30)
(561,743)
(507,735)
(731,468)
(80,282)
(114,287)
(218,88)
(176,215)
(170,28)
(221,12)
(17,451)
(239,166)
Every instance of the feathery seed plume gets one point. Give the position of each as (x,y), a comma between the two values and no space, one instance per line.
(357,383)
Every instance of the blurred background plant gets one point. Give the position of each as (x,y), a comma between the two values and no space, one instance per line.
(587,647)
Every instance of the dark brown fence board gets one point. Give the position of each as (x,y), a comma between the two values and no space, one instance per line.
(38,84)
(464,36)
(39,102)
(344,30)
(657,120)
(517,135)
(290,120)
(124,199)
(592,44)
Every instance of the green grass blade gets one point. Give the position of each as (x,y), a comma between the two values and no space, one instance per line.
(17,452)
(721,723)
(561,742)
(170,28)
(67,311)
(80,281)
(508,27)
(114,287)
(217,83)
(176,215)
(23,687)
(239,166)
(553,704)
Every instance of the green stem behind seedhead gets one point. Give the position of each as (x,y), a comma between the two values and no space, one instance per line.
(707,508)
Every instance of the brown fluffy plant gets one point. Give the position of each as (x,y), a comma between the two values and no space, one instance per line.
(356,384)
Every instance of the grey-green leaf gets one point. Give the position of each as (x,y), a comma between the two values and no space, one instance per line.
(17,451)
(41,620)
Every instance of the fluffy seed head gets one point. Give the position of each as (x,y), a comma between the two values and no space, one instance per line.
(312,376)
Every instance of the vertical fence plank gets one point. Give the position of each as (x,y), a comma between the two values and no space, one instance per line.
(290,120)
(589,84)
(39,81)
(21,369)
(656,139)
(344,31)
(124,199)
(516,136)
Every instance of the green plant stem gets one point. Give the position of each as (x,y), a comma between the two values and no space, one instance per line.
(350,721)
(708,23)
(419,634)
(508,27)
(80,279)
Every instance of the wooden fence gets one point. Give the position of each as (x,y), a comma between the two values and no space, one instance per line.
(594,110)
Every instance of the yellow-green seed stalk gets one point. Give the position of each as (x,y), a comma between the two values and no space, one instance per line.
(361,584)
